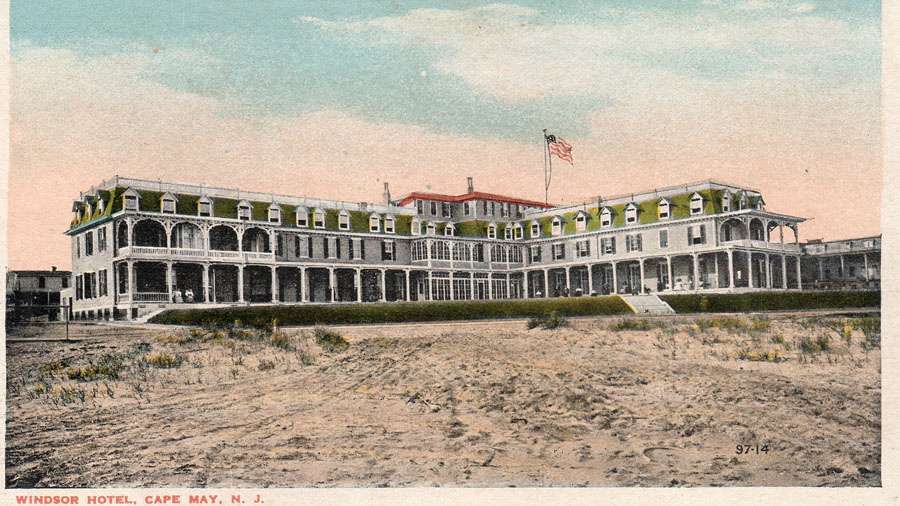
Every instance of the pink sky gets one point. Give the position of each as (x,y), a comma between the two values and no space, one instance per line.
(77,121)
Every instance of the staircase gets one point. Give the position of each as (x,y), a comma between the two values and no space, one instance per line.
(647,304)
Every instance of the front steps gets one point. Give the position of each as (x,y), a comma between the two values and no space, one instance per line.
(647,305)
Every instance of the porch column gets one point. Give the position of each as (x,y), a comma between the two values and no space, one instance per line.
(490,286)
(383,285)
(452,288)
(695,259)
(731,268)
(472,285)
(169,279)
(716,267)
(568,283)
(508,295)
(275,289)
(406,275)
(240,281)
(768,272)
(331,285)
(799,281)
(358,282)
(304,285)
(866,265)
(590,289)
(131,288)
(641,263)
(749,269)
(206,297)
(671,280)
(615,287)
(783,272)
(428,295)
(546,283)
(821,271)
(843,274)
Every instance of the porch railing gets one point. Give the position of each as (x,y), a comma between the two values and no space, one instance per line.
(259,255)
(151,297)
(224,254)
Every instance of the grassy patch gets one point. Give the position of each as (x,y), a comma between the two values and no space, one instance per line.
(770,301)
(260,316)
(106,367)
(330,341)
(770,355)
(554,320)
(164,360)
(636,324)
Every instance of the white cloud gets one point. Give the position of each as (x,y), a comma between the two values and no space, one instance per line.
(804,8)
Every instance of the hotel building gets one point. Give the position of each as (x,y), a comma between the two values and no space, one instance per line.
(139,246)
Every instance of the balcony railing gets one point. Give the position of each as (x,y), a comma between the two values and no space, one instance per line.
(151,297)
(256,256)
(159,252)
(753,243)
(224,254)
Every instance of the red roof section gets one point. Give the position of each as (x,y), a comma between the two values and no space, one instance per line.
(472,196)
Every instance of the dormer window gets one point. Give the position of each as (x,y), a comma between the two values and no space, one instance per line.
(101,205)
(450,230)
(535,229)
(343,220)
(374,223)
(742,201)
(492,231)
(389,225)
(244,209)
(130,200)
(518,231)
(168,203)
(275,213)
(605,217)
(430,229)
(302,216)
(760,204)
(696,204)
(726,201)
(204,207)
(581,221)
(556,226)
(662,210)
(415,226)
(631,213)
(319,218)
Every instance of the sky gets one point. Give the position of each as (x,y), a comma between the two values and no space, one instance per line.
(330,99)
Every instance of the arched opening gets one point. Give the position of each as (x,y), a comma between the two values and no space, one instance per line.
(257,284)
(122,235)
(757,232)
(770,226)
(733,229)
(256,239)
(149,233)
(223,238)
(186,236)
(188,281)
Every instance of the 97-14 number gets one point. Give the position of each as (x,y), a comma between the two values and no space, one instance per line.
(747,449)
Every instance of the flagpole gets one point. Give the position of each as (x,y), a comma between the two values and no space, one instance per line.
(546,162)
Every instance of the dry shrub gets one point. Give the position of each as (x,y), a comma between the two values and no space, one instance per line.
(553,320)
(266,365)
(164,360)
(107,366)
(636,324)
(330,341)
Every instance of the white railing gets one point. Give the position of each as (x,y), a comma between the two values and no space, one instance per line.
(151,297)
(753,243)
(188,252)
(224,254)
(259,255)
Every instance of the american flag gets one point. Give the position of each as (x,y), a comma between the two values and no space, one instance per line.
(559,147)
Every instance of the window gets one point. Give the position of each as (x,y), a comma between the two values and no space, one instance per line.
(515,255)
(440,250)
(88,244)
(726,201)
(664,238)
(631,213)
(319,218)
(607,245)
(535,254)
(580,222)
(484,208)
(449,230)
(355,251)
(101,239)
(389,224)
(760,204)
(696,234)
(78,247)
(419,251)
(302,217)
(535,229)
(445,209)
(374,223)
(300,246)
(204,207)
(344,220)
(168,203)
(605,217)
(633,242)
(279,245)
(65,282)
(461,252)
(102,283)
(430,228)
(504,209)
(583,248)
(517,231)
(42,282)
(420,207)
(130,198)
(275,214)
(434,208)
(387,250)
(478,252)
(556,226)
(663,209)
(415,226)
(696,204)
(493,208)
(244,210)
(507,232)
(558,251)
(492,231)
(467,209)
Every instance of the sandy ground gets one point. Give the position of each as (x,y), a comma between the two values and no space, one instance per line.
(455,405)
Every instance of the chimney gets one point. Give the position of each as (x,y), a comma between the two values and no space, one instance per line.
(470,184)
(387,194)
(53,268)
